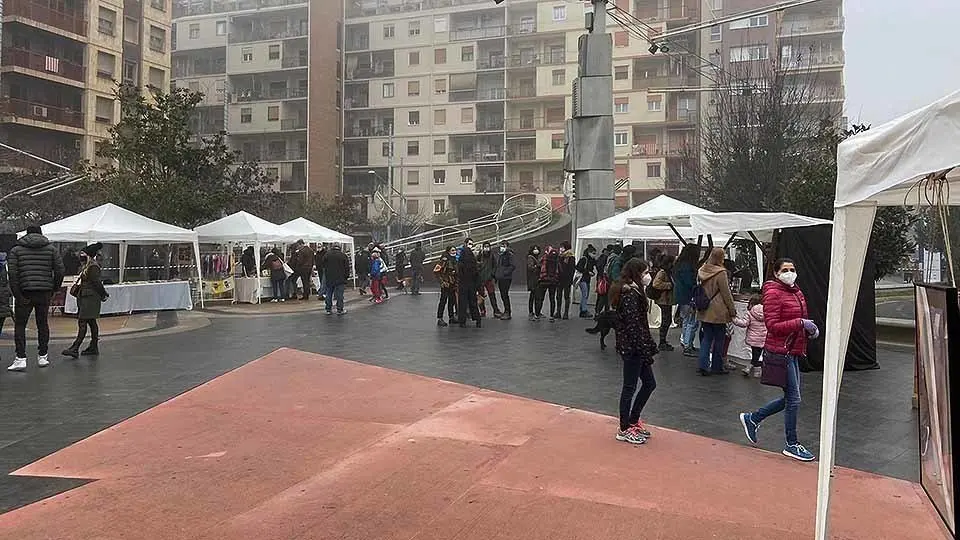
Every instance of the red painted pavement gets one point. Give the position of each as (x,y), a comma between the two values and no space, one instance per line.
(301,446)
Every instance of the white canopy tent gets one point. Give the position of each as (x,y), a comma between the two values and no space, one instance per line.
(314,232)
(880,167)
(244,228)
(112,224)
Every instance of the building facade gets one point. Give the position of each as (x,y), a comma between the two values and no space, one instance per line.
(268,70)
(59,69)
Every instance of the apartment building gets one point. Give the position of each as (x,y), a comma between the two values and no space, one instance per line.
(59,67)
(269,72)
(462,103)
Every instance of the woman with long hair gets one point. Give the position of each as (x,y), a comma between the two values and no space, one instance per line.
(788,332)
(636,348)
(663,286)
(719,312)
(684,279)
(533,283)
(92,295)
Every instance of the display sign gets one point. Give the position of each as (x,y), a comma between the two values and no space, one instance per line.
(938,372)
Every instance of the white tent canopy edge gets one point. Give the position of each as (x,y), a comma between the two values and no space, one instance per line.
(879,167)
(314,232)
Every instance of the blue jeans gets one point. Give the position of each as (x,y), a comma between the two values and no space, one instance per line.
(584,296)
(335,291)
(714,336)
(789,403)
(279,288)
(690,325)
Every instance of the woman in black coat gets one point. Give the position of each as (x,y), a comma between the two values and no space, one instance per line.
(92,295)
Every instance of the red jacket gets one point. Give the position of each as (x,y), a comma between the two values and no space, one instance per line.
(784,309)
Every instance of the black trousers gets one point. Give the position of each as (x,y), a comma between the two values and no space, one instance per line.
(549,291)
(448,299)
(467,296)
(562,294)
(305,279)
(601,303)
(631,401)
(504,286)
(32,302)
(666,319)
(82,325)
(756,354)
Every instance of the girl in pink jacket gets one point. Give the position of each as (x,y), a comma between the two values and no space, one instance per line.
(756,334)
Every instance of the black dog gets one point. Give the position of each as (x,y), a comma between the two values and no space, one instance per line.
(604,325)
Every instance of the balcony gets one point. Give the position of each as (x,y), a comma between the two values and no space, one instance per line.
(802,94)
(522,29)
(357,44)
(370,8)
(219,6)
(286,93)
(294,62)
(30,110)
(681,10)
(475,34)
(41,62)
(293,124)
(489,124)
(527,91)
(523,153)
(384,69)
(533,124)
(658,150)
(812,61)
(269,156)
(826,25)
(488,184)
(40,11)
(355,160)
(376,130)
(293,184)
(683,116)
(199,70)
(266,35)
(475,157)
(671,81)
(548,58)
(495,62)
(357,102)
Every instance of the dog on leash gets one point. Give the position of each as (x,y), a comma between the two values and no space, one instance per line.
(603,327)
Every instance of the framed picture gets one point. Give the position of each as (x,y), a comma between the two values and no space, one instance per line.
(938,372)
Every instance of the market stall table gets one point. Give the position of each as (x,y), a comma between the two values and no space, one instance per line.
(146,296)
(245,291)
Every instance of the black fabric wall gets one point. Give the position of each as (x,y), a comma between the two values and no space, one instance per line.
(809,247)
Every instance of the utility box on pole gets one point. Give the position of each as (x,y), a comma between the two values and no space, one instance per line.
(588,145)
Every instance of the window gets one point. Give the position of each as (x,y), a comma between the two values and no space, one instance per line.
(559,13)
(413,88)
(413,58)
(748,53)
(413,178)
(130,72)
(439,86)
(714,58)
(439,146)
(559,77)
(104,112)
(107,21)
(654,103)
(158,39)
(413,207)
(413,118)
(273,52)
(272,173)
(621,73)
(413,148)
(388,90)
(131,30)
(156,78)
(439,206)
(195,31)
(758,21)
(466,115)
(466,54)
(439,56)
(389,31)
(273,113)
(385,149)
(413,28)
(221,28)
(555,115)
(246,54)
(653,170)
(621,39)
(621,105)
(716,33)
(620,138)
(106,65)
(160,5)
(439,24)
(440,117)
(246,115)
(556,141)
(440,176)
(466,176)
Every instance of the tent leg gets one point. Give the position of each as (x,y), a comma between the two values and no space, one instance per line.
(851,236)
(196,256)
(123,259)
(256,256)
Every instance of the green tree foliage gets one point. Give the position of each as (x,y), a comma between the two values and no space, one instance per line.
(343,213)
(154,165)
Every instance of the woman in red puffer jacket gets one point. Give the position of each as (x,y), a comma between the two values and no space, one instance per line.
(788,330)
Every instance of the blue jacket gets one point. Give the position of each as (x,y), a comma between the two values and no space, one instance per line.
(684,280)
(376,268)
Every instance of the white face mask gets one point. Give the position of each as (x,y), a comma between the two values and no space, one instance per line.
(788,277)
(646,280)
(536,252)
(502,249)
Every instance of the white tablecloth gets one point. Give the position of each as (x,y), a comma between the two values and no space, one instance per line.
(246,289)
(130,297)
(738,345)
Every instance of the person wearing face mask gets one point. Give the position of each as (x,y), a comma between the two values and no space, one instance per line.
(468,275)
(504,274)
(788,331)
(567,271)
(719,313)
(533,281)
(549,279)
(488,271)
(91,295)
(446,272)
(586,266)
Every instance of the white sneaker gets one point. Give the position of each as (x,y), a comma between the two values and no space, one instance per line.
(20,364)
(42,361)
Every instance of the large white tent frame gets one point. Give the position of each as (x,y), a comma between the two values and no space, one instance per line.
(244,228)
(112,224)
(900,162)
(314,232)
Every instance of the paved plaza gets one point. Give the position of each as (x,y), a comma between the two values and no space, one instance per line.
(48,410)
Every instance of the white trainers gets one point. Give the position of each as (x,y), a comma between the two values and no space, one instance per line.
(42,361)
(20,364)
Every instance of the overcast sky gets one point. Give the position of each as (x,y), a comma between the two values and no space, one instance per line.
(900,55)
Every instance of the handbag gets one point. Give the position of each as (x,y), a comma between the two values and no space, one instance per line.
(603,286)
(774,369)
(76,287)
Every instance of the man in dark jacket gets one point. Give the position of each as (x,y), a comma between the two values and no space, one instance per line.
(36,272)
(302,265)
(417,257)
(336,268)
(506,265)
(361,265)
(488,272)
(468,272)
(568,268)
(318,260)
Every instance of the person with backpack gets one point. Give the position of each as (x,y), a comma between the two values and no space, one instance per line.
(567,270)
(684,280)
(278,276)
(549,279)
(585,267)
(715,310)
(636,347)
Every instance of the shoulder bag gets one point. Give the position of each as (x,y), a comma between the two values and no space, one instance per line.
(77,286)
(774,369)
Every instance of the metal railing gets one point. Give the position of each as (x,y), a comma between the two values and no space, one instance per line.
(292,124)
(493,62)
(519,216)
(40,11)
(473,34)
(293,61)
(522,92)
(812,60)
(218,67)
(263,35)
(376,130)
(42,62)
(220,6)
(370,8)
(661,150)
(546,58)
(268,95)
(475,157)
(536,122)
(267,155)
(811,26)
(40,111)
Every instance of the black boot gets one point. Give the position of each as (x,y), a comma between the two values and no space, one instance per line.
(92,350)
(71,352)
